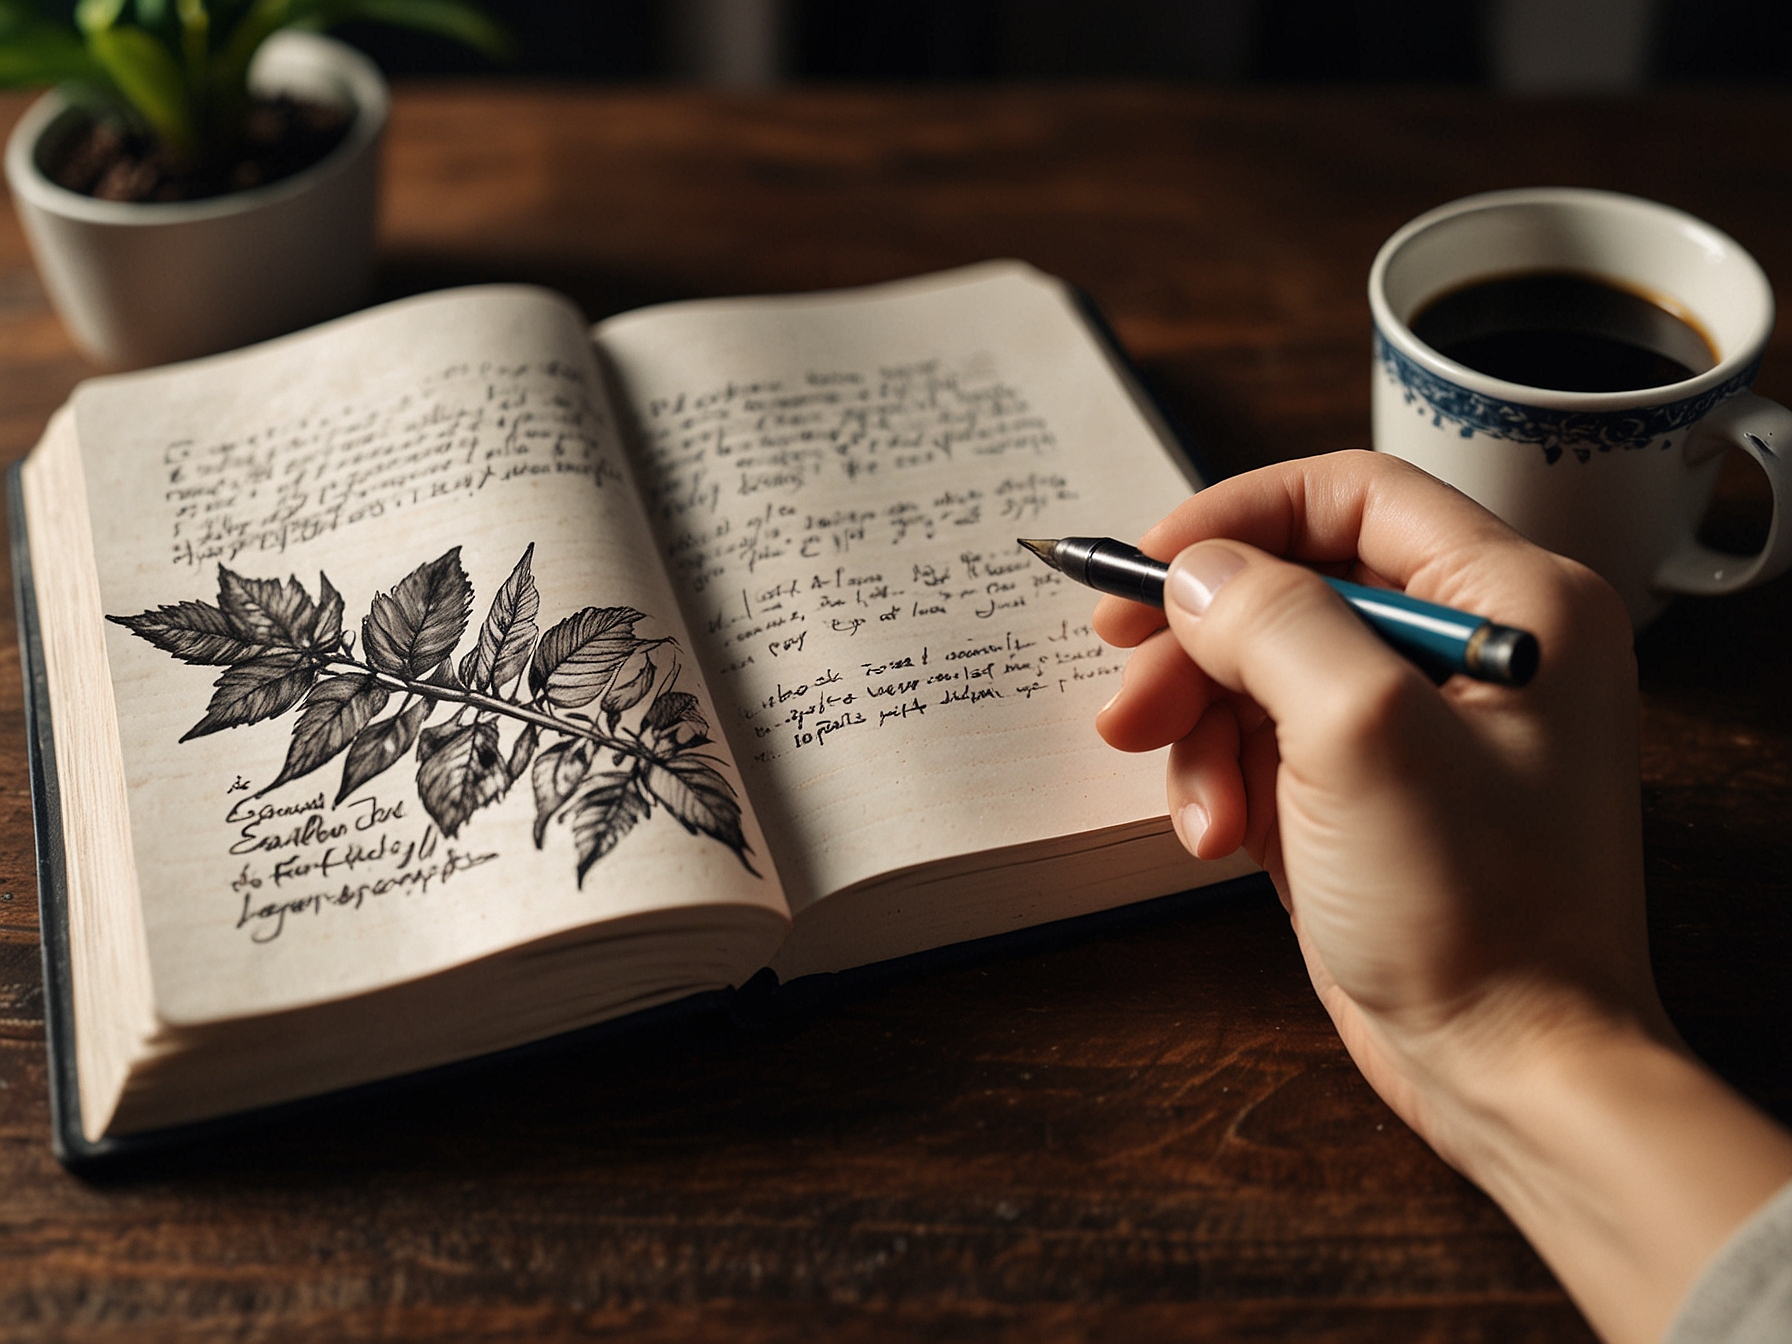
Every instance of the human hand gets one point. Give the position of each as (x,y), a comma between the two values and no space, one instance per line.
(1462,864)
(1463,860)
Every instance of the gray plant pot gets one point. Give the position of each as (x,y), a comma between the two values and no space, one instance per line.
(146,283)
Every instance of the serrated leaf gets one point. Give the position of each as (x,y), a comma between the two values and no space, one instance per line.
(258,689)
(430,741)
(576,659)
(379,745)
(557,774)
(266,611)
(670,709)
(463,773)
(194,632)
(522,751)
(328,627)
(412,628)
(603,816)
(508,634)
(695,792)
(335,712)
(630,687)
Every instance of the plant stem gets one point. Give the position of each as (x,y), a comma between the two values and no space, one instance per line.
(457,695)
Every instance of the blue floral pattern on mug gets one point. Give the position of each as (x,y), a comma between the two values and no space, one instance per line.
(1579,432)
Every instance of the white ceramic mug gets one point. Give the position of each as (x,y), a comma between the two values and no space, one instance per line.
(1617,480)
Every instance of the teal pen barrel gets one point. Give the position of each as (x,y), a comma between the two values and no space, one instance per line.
(1442,639)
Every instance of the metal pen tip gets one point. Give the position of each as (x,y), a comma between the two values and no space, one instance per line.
(1042,549)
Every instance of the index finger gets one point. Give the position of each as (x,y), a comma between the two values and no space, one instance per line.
(1405,526)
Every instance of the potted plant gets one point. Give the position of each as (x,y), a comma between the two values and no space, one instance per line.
(206,172)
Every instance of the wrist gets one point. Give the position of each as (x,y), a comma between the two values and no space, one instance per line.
(1623,1159)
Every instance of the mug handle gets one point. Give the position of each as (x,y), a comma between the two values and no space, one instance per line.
(1762,429)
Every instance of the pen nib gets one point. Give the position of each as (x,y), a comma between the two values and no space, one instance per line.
(1042,549)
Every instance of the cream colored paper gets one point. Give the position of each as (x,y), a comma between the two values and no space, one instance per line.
(837,482)
(363,450)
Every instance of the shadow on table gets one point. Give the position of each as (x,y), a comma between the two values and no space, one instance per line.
(933,1049)
(1717,818)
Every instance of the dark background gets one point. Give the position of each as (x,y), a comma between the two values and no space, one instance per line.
(1407,41)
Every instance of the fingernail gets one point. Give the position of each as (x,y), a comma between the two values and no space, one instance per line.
(1198,573)
(1110,704)
(1191,825)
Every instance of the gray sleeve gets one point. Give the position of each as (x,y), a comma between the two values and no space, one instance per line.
(1744,1296)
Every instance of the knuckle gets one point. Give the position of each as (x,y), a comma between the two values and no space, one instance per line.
(1584,611)
(1374,708)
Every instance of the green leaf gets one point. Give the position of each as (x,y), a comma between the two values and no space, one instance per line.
(36,53)
(195,41)
(230,68)
(147,74)
(445,18)
(95,16)
(335,713)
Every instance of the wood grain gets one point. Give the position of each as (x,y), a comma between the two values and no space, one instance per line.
(1149,1131)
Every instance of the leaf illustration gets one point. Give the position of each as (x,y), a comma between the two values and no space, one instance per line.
(522,751)
(266,611)
(694,791)
(576,659)
(259,689)
(463,773)
(671,709)
(508,634)
(430,741)
(413,627)
(558,772)
(328,629)
(278,647)
(604,815)
(630,687)
(335,712)
(378,745)
(194,632)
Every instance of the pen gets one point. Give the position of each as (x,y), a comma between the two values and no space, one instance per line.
(1440,639)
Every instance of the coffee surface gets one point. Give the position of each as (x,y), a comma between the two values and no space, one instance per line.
(1563,330)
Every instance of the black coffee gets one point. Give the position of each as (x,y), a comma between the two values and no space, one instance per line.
(1563,330)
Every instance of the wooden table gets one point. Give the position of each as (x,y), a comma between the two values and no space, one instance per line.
(1146,1133)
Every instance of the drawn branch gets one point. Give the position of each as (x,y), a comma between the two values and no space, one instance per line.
(278,646)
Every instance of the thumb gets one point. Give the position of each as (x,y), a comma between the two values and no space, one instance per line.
(1279,634)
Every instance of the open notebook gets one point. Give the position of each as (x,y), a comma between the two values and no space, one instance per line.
(454,675)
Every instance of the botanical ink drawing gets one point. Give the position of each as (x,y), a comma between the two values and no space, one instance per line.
(602,729)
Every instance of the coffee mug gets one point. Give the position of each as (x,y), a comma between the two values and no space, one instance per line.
(1618,480)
